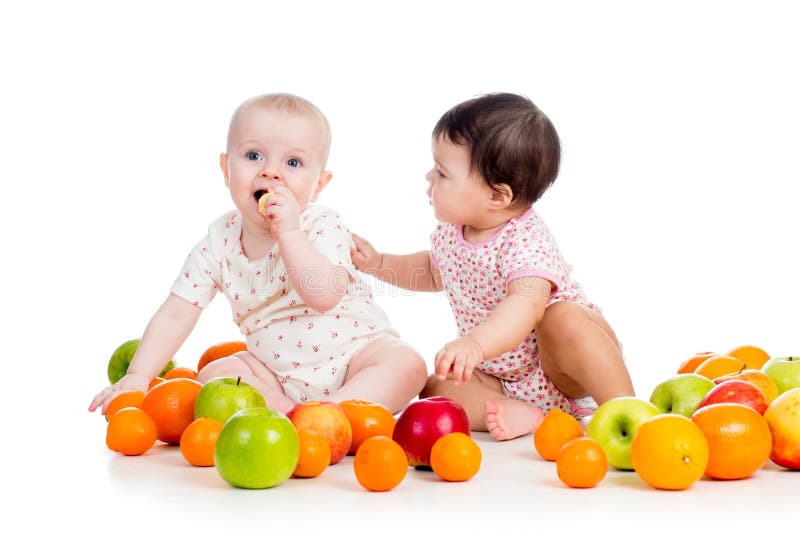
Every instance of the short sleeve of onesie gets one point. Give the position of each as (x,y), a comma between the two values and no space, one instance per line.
(529,249)
(196,282)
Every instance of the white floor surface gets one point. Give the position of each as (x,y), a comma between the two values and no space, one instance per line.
(79,483)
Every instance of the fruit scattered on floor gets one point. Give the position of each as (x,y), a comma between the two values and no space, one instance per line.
(380,464)
(131,432)
(455,457)
(739,440)
(555,429)
(126,399)
(669,452)
(171,406)
(198,441)
(367,419)
(581,463)
(315,455)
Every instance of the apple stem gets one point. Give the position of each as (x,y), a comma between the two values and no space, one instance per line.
(744,366)
(238,379)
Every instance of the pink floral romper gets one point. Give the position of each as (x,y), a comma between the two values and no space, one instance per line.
(475,278)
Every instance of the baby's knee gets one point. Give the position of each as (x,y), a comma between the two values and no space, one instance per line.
(414,368)
(229,366)
(564,322)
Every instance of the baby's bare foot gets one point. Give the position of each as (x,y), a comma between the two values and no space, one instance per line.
(511,418)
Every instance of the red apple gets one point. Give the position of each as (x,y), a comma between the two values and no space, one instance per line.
(736,391)
(425,421)
(758,378)
(325,418)
(783,418)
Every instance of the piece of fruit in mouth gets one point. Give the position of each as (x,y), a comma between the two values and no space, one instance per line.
(261,196)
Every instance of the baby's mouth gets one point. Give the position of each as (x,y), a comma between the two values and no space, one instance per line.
(260,193)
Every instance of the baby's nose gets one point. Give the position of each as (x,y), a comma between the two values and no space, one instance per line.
(270,173)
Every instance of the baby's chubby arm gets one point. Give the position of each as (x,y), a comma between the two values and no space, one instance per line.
(510,322)
(409,271)
(163,336)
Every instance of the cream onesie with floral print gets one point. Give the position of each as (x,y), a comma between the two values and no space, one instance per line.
(307,350)
(476,278)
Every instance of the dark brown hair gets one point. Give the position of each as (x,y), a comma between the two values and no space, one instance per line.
(510,142)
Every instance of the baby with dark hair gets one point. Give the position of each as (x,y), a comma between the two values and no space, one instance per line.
(528,340)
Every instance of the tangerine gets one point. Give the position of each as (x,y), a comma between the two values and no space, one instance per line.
(127,399)
(130,431)
(739,439)
(171,406)
(669,451)
(690,364)
(198,441)
(455,457)
(753,357)
(315,454)
(220,350)
(367,419)
(556,428)
(581,463)
(717,366)
(380,463)
(180,372)
(154,382)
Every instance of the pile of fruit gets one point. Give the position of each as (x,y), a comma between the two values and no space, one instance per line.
(226,423)
(721,415)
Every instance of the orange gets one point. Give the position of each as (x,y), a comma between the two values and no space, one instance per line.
(739,440)
(367,419)
(130,431)
(220,350)
(691,363)
(557,428)
(717,366)
(380,464)
(752,357)
(315,454)
(180,372)
(581,463)
(455,457)
(171,405)
(126,399)
(198,441)
(669,451)
(154,382)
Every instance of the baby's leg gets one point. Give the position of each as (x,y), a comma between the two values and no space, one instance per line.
(253,372)
(487,406)
(580,353)
(387,371)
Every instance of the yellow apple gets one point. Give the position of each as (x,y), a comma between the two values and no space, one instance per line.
(783,418)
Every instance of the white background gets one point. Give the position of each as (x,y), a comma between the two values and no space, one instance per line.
(676,202)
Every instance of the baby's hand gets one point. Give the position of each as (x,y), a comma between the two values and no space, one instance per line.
(459,357)
(128,382)
(364,256)
(282,210)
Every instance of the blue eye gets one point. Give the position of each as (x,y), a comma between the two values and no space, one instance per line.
(294,162)
(253,156)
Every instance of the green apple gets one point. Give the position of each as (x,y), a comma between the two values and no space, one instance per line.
(681,394)
(614,424)
(220,398)
(784,371)
(121,359)
(256,448)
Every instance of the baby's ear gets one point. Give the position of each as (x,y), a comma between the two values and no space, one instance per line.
(324,178)
(223,164)
(502,196)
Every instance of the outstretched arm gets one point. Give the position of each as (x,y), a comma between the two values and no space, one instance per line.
(409,271)
(510,322)
(164,335)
